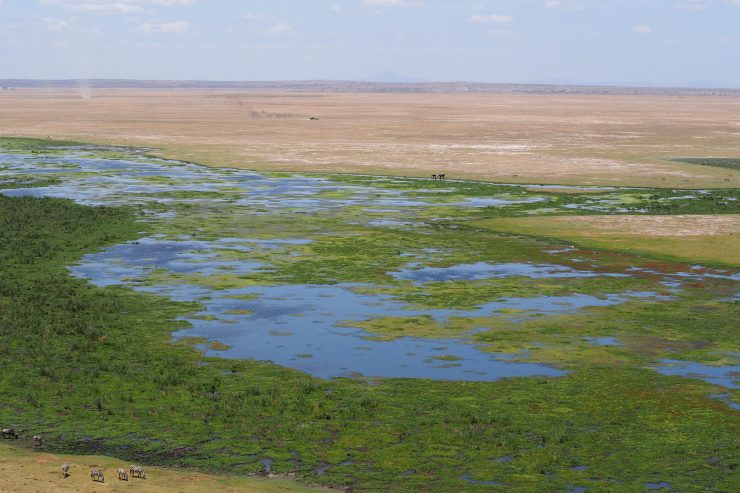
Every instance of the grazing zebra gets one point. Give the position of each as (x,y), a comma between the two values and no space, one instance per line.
(137,472)
(9,433)
(65,470)
(97,475)
(122,474)
(37,441)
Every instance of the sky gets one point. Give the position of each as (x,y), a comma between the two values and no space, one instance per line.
(633,42)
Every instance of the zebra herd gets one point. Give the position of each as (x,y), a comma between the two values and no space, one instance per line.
(96,473)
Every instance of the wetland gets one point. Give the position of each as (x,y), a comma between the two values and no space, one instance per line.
(354,328)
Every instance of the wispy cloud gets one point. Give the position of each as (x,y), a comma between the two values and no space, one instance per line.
(281,28)
(495,18)
(52,24)
(642,29)
(253,16)
(165,27)
(107,7)
(392,3)
(170,3)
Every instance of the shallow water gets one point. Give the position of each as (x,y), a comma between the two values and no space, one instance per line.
(658,486)
(312,328)
(484,270)
(603,341)
(725,376)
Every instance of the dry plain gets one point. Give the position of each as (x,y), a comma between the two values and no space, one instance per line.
(516,138)
(25,471)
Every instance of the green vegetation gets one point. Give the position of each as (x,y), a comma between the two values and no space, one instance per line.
(95,370)
(730,163)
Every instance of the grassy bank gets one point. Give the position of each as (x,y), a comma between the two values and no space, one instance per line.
(709,239)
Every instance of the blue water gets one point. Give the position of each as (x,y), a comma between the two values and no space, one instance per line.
(725,376)
(485,270)
(658,486)
(312,328)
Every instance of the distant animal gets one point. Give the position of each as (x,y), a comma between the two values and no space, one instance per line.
(434,177)
(37,441)
(65,470)
(9,433)
(137,472)
(441,177)
(313,117)
(97,475)
(122,474)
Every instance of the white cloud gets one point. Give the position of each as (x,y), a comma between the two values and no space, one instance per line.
(252,16)
(52,24)
(692,5)
(642,29)
(103,7)
(392,3)
(281,28)
(337,7)
(560,4)
(173,2)
(165,27)
(114,6)
(495,18)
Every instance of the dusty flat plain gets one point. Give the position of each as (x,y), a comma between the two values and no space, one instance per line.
(515,138)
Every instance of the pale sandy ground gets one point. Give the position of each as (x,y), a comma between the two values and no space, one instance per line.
(558,139)
(698,238)
(28,472)
(661,226)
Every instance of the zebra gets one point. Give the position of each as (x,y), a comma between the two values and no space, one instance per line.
(97,475)
(65,470)
(122,474)
(9,433)
(137,472)
(441,177)
(37,441)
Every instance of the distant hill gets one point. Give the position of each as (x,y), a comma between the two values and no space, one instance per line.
(392,77)
(362,86)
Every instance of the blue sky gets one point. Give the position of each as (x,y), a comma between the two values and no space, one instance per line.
(666,42)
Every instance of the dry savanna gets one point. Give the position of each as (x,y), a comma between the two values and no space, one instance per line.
(586,139)
(25,471)
(699,238)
